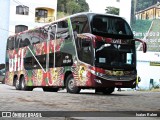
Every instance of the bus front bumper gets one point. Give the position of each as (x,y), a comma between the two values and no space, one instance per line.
(123,82)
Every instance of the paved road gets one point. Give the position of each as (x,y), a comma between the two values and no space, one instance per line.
(87,100)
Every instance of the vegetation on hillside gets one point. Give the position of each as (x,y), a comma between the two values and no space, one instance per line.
(68,7)
(143,4)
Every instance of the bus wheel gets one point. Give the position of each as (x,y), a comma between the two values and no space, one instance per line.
(23,85)
(108,91)
(17,84)
(49,89)
(71,88)
(3,82)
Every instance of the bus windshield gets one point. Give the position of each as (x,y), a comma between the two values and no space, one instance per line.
(115,56)
(110,26)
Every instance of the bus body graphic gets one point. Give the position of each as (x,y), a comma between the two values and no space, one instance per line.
(16,63)
(82,51)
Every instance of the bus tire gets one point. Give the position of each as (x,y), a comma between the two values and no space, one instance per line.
(23,85)
(49,89)
(108,91)
(17,83)
(70,86)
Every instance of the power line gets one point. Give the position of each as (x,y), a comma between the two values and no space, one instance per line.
(6,30)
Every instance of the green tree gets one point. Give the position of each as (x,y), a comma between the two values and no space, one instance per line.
(143,4)
(112,10)
(133,11)
(61,5)
(68,7)
(84,7)
(72,6)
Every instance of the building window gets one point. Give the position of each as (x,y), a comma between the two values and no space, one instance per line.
(22,10)
(118,0)
(41,13)
(20,28)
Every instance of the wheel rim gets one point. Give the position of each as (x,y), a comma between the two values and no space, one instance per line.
(22,84)
(17,83)
(71,84)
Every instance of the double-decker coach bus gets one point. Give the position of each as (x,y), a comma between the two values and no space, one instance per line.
(82,51)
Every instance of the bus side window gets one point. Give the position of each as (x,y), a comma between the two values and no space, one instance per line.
(16,42)
(28,63)
(10,43)
(62,29)
(52,34)
(43,34)
(84,50)
(24,42)
(35,40)
(80,24)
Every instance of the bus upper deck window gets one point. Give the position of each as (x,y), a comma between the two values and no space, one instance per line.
(10,44)
(99,25)
(24,42)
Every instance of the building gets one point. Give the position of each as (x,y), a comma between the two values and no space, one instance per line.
(20,15)
(152,12)
(28,14)
(123,5)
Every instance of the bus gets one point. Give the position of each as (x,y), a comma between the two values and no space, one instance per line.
(82,51)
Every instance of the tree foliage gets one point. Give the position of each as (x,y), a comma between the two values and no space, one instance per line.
(112,10)
(143,4)
(72,6)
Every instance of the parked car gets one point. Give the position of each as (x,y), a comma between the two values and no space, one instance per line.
(2,75)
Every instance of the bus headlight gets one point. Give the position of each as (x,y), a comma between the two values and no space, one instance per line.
(98,81)
(97,73)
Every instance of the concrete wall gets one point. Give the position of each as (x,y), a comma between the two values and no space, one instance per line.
(147,72)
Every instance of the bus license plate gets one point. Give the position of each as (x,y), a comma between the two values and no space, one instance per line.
(118,83)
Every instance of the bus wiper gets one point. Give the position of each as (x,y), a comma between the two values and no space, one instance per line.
(103,46)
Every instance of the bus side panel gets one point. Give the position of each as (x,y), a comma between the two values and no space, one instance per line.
(14,64)
(9,78)
(40,76)
(82,75)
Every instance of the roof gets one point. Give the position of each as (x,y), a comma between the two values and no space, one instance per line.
(150,7)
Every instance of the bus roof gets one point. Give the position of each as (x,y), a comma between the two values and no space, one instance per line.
(70,16)
(85,13)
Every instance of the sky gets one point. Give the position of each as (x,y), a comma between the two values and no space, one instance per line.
(99,6)
(95,6)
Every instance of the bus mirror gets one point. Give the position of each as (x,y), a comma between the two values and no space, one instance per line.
(144,45)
